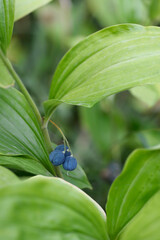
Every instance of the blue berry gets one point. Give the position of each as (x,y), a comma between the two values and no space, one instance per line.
(70,163)
(62,148)
(67,153)
(57,157)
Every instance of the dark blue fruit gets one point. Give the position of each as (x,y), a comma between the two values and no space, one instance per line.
(67,153)
(57,157)
(62,148)
(70,163)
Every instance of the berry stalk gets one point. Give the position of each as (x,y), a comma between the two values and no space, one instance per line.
(49,147)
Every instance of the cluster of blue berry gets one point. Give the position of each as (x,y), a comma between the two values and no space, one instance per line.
(62,155)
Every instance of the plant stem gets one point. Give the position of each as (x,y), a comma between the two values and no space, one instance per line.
(49,146)
(33,106)
(21,86)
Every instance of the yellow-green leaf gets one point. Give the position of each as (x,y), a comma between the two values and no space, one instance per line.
(44,208)
(146,224)
(20,133)
(109,61)
(7,177)
(24,7)
(6,22)
(136,185)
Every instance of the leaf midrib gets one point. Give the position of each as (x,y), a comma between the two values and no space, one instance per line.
(122,205)
(64,77)
(106,69)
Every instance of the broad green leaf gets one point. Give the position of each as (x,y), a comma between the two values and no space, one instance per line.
(7,177)
(135,186)
(24,7)
(49,208)
(6,22)
(20,133)
(77,177)
(149,94)
(109,61)
(6,79)
(146,224)
(24,163)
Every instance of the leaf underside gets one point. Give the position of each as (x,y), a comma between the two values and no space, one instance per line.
(24,163)
(20,133)
(77,177)
(22,8)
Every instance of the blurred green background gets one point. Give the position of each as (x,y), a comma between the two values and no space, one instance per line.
(101,137)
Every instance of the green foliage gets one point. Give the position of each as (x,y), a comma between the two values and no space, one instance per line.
(112,60)
(20,132)
(22,144)
(47,208)
(137,184)
(6,28)
(77,177)
(146,223)
(22,7)
(24,163)
(6,22)
(7,177)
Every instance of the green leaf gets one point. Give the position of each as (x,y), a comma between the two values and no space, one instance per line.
(135,186)
(77,177)
(23,7)
(146,224)
(49,208)
(24,163)
(148,94)
(6,22)
(6,28)
(7,177)
(112,60)
(20,133)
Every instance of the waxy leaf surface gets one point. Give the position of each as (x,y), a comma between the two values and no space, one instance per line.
(20,133)
(107,62)
(146,224)
(44,208)
(136,185)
